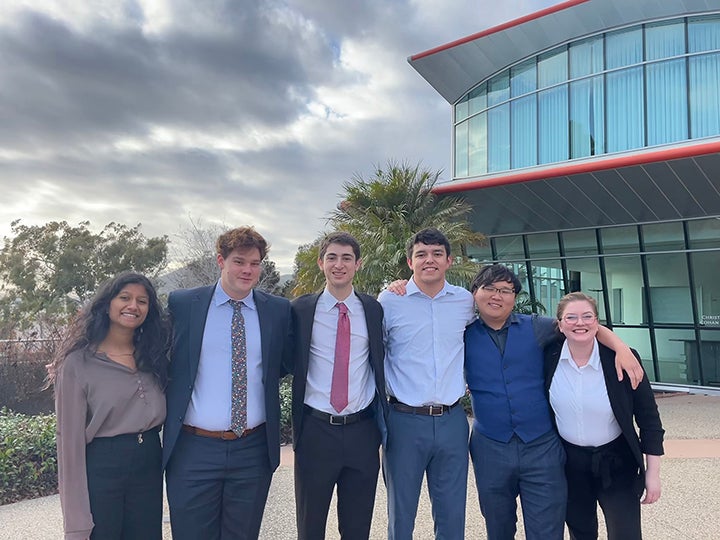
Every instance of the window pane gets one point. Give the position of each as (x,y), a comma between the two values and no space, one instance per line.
(548,285)
(703,233)
(623,48)
(704,100)
(580,242)
(584,275)
(478,99)
(625,119)
(461,109)
(461,149)
(587,118)
(523,78)
(639,339)
(543,245)
(478,145)
(524,132)
(705,269)
(665,39)
(499,138)
(553,125)
(666,102)
(710,350)
(703,34)
(481,254)
(509,248)
(586,57)
(663,236)
(552,68)
(676,348)
(498,89)
(620,239)
(624,280)
(669,289)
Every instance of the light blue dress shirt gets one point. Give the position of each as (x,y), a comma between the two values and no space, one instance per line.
(424,350)
(211,398)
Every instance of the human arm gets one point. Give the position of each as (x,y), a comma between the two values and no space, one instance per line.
(624,358)
(71,409)
(652,479)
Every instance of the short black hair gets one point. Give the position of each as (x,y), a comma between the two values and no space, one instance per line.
(342,238)
(429,237)
(495,272)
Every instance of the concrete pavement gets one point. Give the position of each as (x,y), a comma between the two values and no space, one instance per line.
(689,508)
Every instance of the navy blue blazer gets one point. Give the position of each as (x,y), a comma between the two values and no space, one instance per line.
(626,404)
(303,311)
(188,310)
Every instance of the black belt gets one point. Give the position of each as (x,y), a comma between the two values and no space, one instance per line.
(340,420)
(426,410)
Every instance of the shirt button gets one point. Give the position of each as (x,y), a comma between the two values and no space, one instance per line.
(142,395)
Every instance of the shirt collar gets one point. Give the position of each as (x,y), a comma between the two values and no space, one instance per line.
(594,361)
(412,288)
(221,297)
(327,301)
(512,319)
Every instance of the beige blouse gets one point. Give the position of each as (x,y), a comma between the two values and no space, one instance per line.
(96,397)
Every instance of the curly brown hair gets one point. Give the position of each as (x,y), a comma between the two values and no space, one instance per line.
(241,238)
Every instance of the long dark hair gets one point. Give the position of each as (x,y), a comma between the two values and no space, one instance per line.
(91,325)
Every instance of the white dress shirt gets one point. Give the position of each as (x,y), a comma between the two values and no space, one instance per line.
(361,384)
(211,398)
(579,398)
(424,348)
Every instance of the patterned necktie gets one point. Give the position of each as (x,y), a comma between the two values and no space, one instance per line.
(339,388)
(238,415)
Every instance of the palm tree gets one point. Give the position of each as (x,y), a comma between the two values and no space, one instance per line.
(385,211)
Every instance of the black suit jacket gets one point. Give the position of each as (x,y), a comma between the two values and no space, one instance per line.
(625,402)
(303,310)
(188,309)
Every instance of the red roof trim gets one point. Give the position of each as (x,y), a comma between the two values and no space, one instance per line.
(500,27)
(584,167)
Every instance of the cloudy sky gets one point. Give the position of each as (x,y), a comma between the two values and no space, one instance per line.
(220,111)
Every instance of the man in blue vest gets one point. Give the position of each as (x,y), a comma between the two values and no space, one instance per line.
(514,447)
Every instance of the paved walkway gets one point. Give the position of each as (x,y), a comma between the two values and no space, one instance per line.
(689,508)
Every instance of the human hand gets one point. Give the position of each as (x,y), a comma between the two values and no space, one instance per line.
(625,361)
(398,287)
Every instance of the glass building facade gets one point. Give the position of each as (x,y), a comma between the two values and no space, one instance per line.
(649,85)
(642,86)
(655,285)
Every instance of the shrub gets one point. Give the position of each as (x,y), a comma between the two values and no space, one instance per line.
(28,457)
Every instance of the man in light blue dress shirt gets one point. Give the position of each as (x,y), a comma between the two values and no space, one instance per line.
(427,427)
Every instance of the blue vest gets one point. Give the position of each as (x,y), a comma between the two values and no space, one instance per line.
(507,391)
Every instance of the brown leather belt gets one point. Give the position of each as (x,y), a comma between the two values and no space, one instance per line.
(224,435)
(426,410)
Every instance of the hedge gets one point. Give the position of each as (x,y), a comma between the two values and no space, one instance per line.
(28,458)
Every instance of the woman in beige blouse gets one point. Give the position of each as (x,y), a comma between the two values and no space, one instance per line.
(109,378)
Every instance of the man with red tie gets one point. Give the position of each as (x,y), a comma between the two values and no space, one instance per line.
(338,403)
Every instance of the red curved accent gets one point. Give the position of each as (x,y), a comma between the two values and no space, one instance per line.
(504,26)
(567,169)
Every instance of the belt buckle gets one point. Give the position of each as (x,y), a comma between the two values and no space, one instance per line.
(337,420)
(226,436)
(433,408)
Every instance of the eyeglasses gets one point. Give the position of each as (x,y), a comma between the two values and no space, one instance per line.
(492,290)
(587,318)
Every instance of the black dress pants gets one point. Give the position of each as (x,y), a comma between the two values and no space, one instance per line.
(607,475)
(125,486)
(346,456)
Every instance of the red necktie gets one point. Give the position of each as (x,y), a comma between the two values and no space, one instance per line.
(339,388)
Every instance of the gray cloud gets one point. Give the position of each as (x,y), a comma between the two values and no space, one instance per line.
(237,112)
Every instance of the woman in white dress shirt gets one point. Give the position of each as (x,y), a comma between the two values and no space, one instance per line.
(594,416)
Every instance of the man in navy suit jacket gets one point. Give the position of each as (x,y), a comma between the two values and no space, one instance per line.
(337,444)
(217,477)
